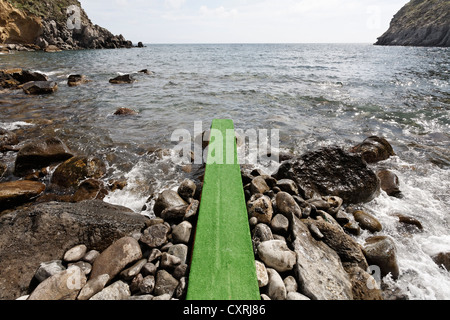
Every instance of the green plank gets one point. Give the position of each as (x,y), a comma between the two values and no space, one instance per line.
(223,264)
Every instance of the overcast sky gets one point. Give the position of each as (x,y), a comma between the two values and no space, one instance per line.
(244,21)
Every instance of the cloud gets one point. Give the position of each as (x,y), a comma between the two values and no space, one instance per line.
(174,4)
(219,12)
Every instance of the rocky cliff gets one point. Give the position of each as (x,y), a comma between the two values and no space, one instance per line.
(60,23)
(423,23)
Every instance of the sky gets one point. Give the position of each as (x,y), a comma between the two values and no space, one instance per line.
(244,21)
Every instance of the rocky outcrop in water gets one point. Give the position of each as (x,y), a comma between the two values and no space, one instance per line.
(423,23)
(53,24)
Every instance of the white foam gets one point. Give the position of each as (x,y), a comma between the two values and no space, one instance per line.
(11,126)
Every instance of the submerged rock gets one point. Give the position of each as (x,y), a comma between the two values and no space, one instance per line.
(40,87)
(381,251)
(332,172)
(389,183)
(15,193)
(76,79)
(374,149)
(125,112)
(442,259)
(122,79)
(37,154)
(367,222)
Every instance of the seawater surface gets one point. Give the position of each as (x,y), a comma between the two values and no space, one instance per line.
(315,94)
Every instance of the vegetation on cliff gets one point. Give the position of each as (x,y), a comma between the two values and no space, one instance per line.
(420,23)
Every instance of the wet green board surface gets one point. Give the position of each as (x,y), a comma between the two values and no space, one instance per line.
(223,264)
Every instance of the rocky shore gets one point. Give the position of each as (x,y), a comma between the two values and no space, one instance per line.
(424,23)
(59,240)
(43,25)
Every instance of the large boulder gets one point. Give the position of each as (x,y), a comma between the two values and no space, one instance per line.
(332,171)
(37,154)
(15,193)
(44,232)
(318,280)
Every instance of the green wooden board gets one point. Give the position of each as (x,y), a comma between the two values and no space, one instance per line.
(223,264)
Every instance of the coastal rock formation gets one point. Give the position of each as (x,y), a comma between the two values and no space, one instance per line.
(423,23)
(62,25)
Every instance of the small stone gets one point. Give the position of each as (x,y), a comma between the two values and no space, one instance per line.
(275,288)
(275,254)
(147,285)
(154,255)
(162,297)
(265,297)
(132,271)
(156,235)
(180,271)
(186,190)
(76,80)
(182,232)
(83,265)
(260,234)
(287,206)
(125,112)
(259,185)
(410,221)
(296,296)
(169,261)
(320,204)
(181,289)
(290,284)
(167,199)
(165,283)
(261,274)
(179,250)
(192,210)
(93,286)
(367,221)
(48,269)
(119,290)
(280,224)
(64,285)
(76,253)
(288,185)
(260,206)
(91,256)
(149,269)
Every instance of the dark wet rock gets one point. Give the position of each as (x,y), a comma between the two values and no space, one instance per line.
(332,172)
(44,232)
(260,207)
(381,251)
(40,87)
(174,214)
(389,183)
(71,172)
(280,224)
(367,221)
(76,79)
(187,189)
(374,149)
(287,205)
(442,259)
(410,221)
(288,186)
(318,280)
(125,112)
(7,141)
(37,154)
(16,193)
(13,78)
(167,199)
(90,189)
(182,232)
(122,79)
(353,228)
